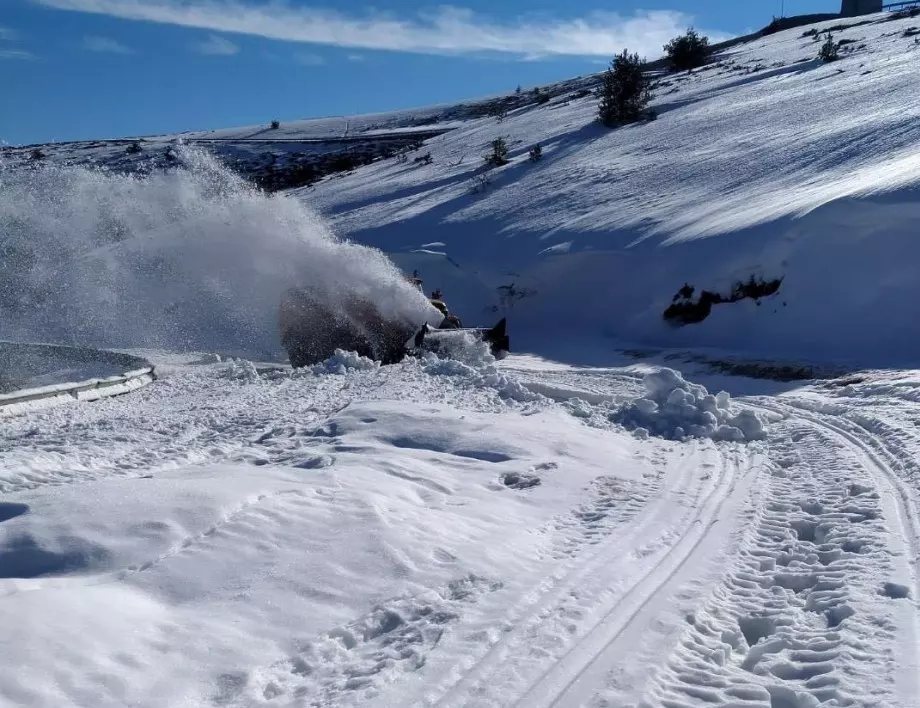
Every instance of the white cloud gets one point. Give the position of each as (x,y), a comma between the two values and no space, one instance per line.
(308,59)
(15,54)
(217,46)
(446,30)
(106,45)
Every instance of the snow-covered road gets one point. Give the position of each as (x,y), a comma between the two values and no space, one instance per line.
(447,534)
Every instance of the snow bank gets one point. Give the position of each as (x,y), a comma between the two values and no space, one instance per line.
(677,409)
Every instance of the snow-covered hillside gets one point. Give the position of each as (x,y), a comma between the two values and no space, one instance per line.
(766,163)
(646,531)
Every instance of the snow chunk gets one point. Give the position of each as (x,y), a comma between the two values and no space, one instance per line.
(239,370)
(342,363)
(677,409)
(466,357)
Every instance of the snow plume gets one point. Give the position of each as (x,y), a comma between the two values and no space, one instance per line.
(676,409)
(189,258)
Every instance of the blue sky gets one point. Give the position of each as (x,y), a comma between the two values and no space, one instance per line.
(80,69)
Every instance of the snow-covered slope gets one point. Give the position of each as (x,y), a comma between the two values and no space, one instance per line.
(766,163)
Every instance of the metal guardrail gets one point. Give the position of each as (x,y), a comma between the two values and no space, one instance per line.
(142,374)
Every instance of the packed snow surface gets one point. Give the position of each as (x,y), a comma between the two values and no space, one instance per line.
(353,535)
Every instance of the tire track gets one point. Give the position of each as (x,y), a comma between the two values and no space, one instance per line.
(550,595)
(798,620)
(580,604)
(898,505)
(576,677)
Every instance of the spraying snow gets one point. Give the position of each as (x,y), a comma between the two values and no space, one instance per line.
(192,258)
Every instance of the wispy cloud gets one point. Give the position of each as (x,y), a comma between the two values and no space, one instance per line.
(217,46)
(15,54)
(355,57)
(105,45)
(11,35)
(309,59)
(446,30)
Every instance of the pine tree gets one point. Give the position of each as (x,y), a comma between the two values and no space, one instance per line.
(830,50)
(499,154)
(688,51)
(625,91)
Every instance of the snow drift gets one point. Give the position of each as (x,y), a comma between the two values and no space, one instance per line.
(677,409)
(193,258)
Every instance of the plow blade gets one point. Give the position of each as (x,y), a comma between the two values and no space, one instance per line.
(432,339)
(311,330)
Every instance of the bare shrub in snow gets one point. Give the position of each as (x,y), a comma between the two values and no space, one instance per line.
(675,409)
(688,51)
(536,153)
(480,183)
(37,154)
(499,154)
(904,14)
(830,50)
(423,159)
(624,92)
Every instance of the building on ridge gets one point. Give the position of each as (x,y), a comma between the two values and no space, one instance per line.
(852,8)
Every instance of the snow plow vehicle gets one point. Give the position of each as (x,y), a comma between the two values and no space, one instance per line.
(312,328)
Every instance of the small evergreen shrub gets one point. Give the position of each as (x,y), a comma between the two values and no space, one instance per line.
(830,50)
(499,154)
(536,153)
(688,51)
(275,125)
(624,93)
